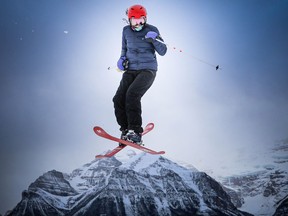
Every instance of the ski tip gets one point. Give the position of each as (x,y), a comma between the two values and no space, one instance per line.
(150,125)
(98,130)
(161,152)
(100,156)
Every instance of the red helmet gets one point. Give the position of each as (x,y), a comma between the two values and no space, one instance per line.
(136,11)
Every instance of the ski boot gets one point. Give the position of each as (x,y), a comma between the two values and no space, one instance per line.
(123,136)
(134,137)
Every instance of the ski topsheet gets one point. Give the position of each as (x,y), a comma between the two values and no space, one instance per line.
(102,133)
(111,153)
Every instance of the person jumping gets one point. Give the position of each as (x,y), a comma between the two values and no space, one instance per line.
(140,40)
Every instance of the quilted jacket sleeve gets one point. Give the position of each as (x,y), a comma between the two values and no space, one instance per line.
(124,45)
(161,48)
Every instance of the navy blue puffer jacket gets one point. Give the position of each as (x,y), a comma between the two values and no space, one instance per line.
(139,51)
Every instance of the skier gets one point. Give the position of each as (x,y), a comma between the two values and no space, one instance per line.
(138,60)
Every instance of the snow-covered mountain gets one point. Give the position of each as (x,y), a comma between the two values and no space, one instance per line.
(141,185)
(265,191)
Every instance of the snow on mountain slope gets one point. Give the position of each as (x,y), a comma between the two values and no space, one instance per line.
(92,174)
(141,184)
(282,207)
(263,188)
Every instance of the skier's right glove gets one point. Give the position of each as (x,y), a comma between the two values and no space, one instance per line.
(122,63)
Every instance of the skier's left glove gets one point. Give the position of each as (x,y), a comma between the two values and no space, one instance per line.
(151,36)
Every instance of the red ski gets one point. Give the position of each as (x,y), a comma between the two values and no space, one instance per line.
(147,129)
(100,132)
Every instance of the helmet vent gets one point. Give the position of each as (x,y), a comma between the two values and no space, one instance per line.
(136,11)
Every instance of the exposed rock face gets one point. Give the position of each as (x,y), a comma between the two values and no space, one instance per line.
(282,208)
(261,191)
(54,183)
(144,185)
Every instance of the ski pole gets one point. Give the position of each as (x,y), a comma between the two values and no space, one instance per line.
(157,39)
(205,62)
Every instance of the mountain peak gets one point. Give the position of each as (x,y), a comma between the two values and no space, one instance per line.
(54,183)
(141,185)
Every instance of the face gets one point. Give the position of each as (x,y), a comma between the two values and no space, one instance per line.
(137,23)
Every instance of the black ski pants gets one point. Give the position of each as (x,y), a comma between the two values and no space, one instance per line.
(127,100)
